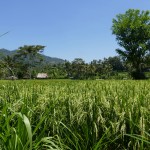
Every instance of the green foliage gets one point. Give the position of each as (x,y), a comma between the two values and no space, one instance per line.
(8,66)
(104,69)
(132,31)
(28,56)
(47,59)
(74,115)
(25,64)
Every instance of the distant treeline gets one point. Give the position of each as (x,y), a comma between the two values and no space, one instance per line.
(27,62)
(107,68)
(26,68)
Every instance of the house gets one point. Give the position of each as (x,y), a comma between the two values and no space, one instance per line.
(12,78)
(42,76)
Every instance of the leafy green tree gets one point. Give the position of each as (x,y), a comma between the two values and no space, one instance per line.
(68,68)
(147,60)
(8,65)
(116,63)
(90,71)
(97,67)
(107,69)
(29,56)
(78,68)
(132,31)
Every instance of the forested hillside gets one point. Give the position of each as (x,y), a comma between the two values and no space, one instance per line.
(47,59)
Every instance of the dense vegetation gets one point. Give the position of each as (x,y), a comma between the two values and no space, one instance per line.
(108,68)
(132,30)
(75,115)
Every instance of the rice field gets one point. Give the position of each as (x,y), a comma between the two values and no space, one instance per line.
(74,115)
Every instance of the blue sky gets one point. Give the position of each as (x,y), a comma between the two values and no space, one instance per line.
(68,28)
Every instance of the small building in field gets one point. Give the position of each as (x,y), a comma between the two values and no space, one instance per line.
(12,78)
(42,76)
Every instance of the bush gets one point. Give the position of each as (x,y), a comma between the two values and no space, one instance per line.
(137,75)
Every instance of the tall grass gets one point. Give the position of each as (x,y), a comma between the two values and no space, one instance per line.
(74,115)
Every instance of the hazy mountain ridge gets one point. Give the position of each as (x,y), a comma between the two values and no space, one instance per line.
(47,59)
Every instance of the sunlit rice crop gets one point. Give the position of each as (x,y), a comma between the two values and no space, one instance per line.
(75,115)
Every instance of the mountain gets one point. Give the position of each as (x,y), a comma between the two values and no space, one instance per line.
(47,59)
(4,52)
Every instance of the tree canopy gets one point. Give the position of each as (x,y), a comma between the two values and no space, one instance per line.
(132,31)
(28,55)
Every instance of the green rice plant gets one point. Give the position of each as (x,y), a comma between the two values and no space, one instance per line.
(74,115)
